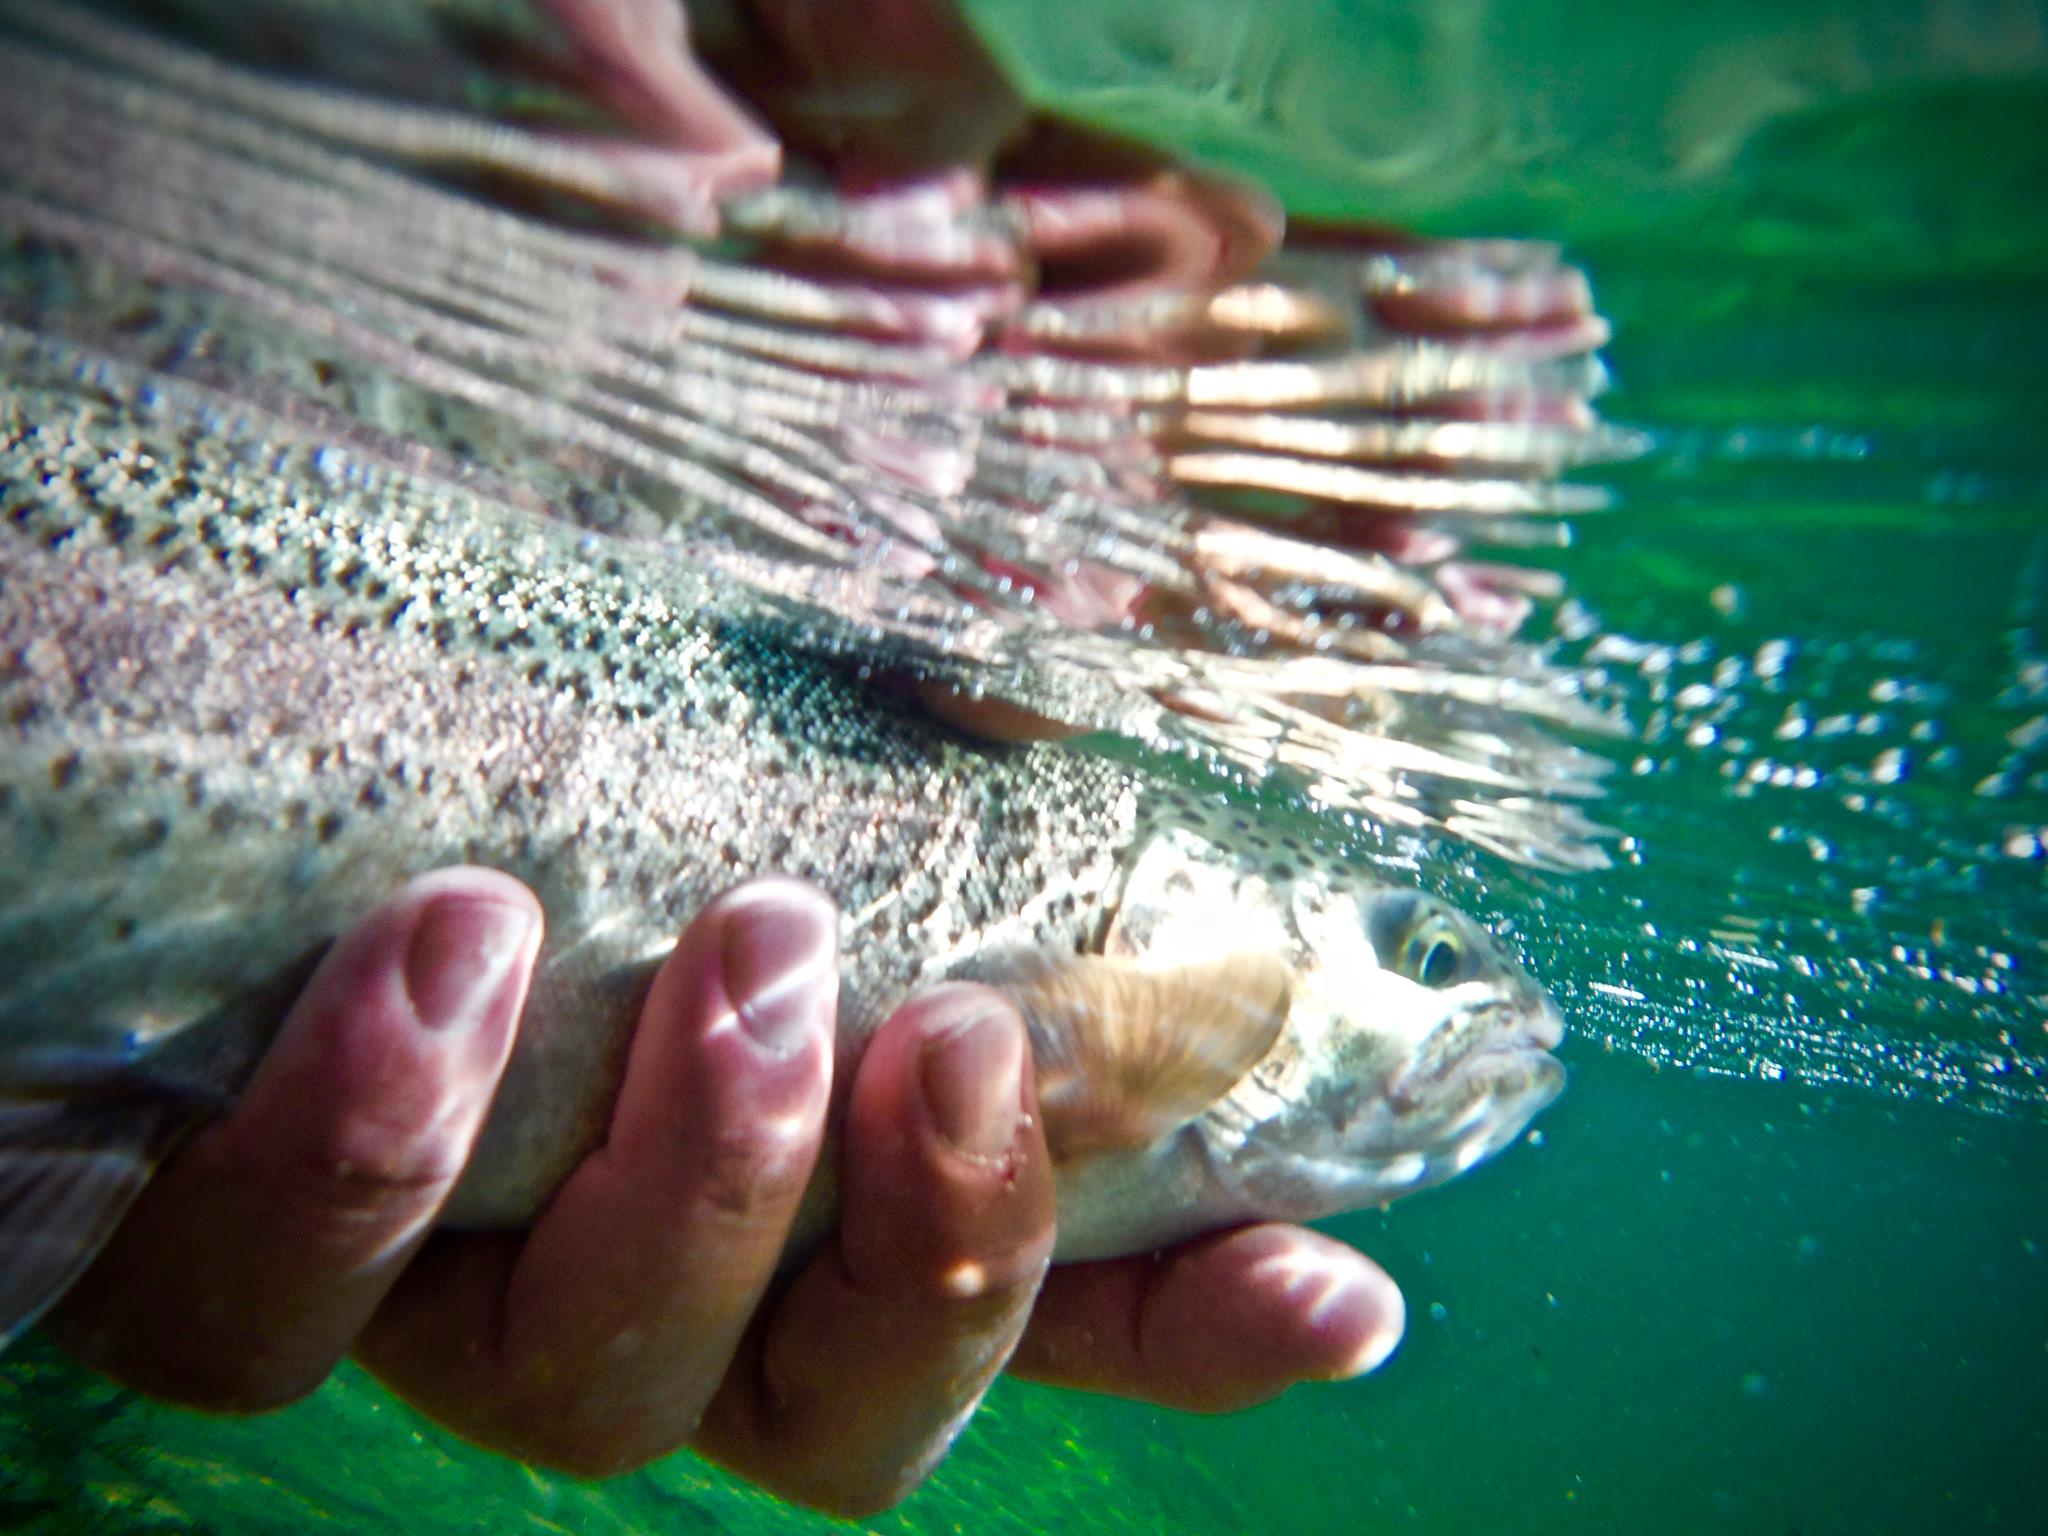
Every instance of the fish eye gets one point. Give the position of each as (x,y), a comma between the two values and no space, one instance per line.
(1433,954)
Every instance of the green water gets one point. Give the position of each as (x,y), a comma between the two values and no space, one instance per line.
(1778,1262)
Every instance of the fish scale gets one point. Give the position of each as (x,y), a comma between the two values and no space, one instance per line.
(352,527)
(400,721)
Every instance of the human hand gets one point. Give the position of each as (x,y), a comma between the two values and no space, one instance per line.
(899,99)
(641,1313)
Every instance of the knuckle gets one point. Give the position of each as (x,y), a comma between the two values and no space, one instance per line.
(967,1257)
(362,1174)
(751,1173)
(984,1290)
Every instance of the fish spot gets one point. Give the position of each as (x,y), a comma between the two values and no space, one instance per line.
(148,835)
(137,319)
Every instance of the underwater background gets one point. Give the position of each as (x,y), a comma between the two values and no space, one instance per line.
(1775,1263)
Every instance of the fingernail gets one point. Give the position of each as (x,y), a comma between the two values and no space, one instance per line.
(777,949)
(1388,1320)
(972,1070)
(463,950)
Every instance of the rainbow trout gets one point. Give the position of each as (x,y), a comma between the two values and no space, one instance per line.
(352,526)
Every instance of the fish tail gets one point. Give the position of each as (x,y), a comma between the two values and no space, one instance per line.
(69,1170)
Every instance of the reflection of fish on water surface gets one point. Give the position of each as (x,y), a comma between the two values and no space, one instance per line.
(356,526)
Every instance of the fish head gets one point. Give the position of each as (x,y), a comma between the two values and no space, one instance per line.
(1414,1045)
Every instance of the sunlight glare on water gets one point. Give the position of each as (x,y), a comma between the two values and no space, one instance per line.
(1867,805)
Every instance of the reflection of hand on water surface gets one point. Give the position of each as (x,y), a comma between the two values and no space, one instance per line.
(632,1319)
(899,103)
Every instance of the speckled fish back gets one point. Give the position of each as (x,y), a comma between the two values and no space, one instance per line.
(251,684)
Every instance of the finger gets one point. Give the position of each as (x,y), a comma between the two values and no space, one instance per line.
(1177,230)
(637,57)
(253,1259)
(1217,1324)
(594,1346)
(854,1387)
(693,145)
(927,232)
(992,719)
(1450,295)
(879,89)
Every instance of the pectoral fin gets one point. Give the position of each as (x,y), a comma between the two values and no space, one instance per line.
(82,1128)
(68,1171)
(1127,1055)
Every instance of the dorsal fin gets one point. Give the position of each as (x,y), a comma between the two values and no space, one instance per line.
(1126,1055)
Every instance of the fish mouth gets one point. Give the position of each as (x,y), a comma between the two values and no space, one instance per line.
(1507,1081)
(1528,1028)
(1516,1067)
(1509,1085)
(1502,1037)
(1480,1108)
(1545,1028)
